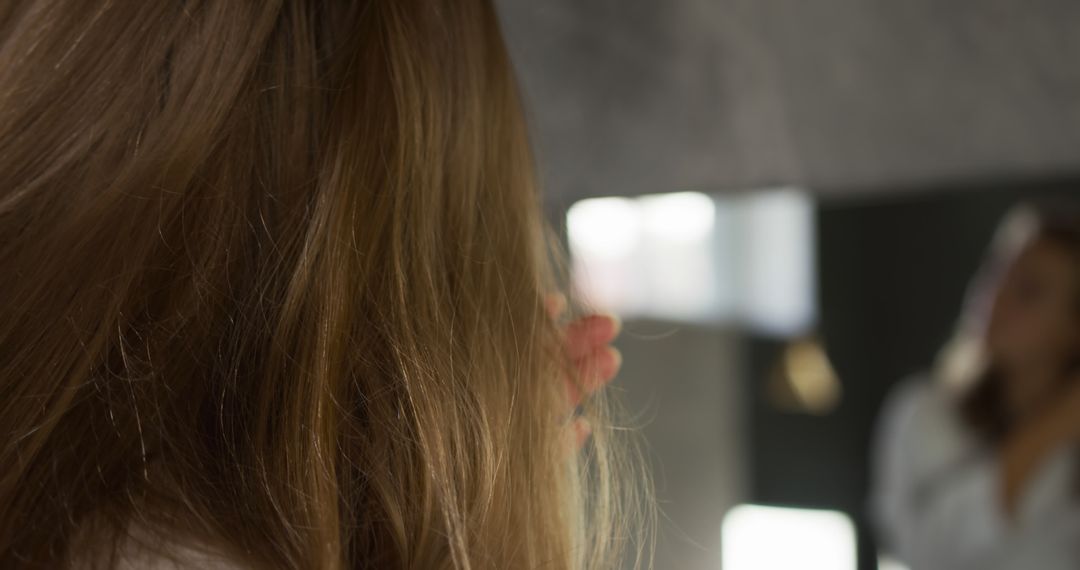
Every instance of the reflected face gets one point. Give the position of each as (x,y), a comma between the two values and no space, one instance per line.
(1033,322)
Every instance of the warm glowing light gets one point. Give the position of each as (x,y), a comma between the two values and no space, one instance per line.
(811,377)
(767,538)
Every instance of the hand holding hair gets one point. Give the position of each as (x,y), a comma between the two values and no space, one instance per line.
(593,361)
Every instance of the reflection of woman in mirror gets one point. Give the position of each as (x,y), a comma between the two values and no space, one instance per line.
(977,469)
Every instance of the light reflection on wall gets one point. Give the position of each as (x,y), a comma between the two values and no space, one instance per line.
(688,256)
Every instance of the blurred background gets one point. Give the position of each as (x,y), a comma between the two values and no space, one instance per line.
(785,201)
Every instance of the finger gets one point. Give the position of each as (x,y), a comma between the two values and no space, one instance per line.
(555,304)
(584,335)
(593,372)
(599,366)
(582,430)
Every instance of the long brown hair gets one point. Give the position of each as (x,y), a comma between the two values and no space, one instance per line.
(271,278)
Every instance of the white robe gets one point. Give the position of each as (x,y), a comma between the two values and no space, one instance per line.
(936,494)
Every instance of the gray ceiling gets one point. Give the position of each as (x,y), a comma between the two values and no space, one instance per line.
(639,96)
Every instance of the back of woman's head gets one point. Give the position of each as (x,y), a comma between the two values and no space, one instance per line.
(272,279)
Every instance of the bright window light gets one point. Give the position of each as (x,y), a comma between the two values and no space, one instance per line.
(774,538)
(682,217)
(605,227)
(776,261)
(688,256)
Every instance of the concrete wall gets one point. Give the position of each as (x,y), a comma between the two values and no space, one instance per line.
(685,383)
(638,96)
